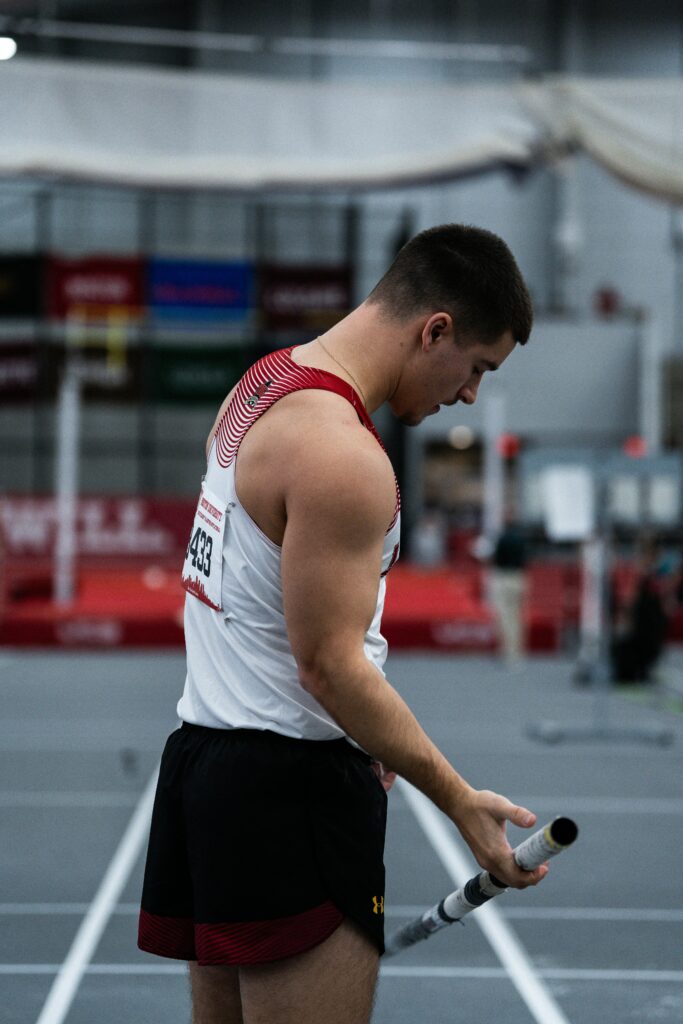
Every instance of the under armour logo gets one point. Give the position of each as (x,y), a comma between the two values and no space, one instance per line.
(378,904)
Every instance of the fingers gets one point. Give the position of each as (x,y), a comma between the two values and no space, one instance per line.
(388,779)
(536,876)
(521,816)
(385,775)
(517,878)
(532,877)
(501,807)
(484,832)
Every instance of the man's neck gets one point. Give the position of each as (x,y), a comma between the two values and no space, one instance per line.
(368,347)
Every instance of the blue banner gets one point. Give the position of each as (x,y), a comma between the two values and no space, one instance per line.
(209,291)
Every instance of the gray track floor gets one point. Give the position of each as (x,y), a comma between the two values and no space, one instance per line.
(604,933)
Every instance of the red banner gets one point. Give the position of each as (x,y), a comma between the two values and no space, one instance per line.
(310,298)
(19,373)
(95,287)
(137,528)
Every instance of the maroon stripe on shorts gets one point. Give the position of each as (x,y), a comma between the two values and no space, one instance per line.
(258,942)
(242,942)
(166,936)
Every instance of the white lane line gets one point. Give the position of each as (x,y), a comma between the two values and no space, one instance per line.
(48,909)
(550,973)
(42,909)
(29,968)
(10,798)
(609,974)
(603,805)
(505,943)
(398,910)
(607,914)
(66,983)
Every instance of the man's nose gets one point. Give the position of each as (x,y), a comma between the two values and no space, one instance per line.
(468,393)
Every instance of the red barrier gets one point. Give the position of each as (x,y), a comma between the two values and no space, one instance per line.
(129,554)
(128,593)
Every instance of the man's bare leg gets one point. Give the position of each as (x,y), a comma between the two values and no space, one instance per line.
(215,995)
(333,982)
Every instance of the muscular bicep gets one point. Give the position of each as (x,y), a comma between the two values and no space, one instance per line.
(331,559)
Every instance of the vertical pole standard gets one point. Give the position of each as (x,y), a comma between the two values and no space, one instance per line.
(494,467)
(66,483)
(568,240)
(650,383)
(590,612)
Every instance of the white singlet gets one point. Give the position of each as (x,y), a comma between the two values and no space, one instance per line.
(241,672)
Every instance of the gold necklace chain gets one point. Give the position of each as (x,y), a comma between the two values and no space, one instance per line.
(344,368)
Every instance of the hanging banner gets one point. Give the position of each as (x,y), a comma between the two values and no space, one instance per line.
(21,286)
(104,288)
(19,373)
(208,291)
(569,503)
(304,298)
(194,374)
(167,374)
(106,527)
(107,374)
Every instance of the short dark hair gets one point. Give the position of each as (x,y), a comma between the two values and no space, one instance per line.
(466,271)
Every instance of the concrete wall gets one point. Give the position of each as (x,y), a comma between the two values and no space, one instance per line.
(571,384)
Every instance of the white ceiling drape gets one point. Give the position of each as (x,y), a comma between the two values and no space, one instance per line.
(139,126)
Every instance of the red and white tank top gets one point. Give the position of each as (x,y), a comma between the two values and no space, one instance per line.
(241,672)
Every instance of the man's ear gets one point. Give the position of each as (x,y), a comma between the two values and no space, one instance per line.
(438,325)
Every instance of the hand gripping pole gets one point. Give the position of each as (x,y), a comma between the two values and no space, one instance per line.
(534,851)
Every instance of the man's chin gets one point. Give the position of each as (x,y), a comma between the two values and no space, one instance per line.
(410,420)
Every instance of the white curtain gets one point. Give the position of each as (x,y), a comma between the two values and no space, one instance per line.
(632,127)
(139,126)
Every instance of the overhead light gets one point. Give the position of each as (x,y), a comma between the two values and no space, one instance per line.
(8,47)
(461,437)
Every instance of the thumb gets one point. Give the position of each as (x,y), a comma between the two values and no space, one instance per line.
(521,816)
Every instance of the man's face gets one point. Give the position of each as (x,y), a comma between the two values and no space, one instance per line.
(446,371)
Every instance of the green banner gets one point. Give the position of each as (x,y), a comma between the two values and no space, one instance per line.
(194,375)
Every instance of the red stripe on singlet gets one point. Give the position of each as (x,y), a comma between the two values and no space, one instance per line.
(270,379)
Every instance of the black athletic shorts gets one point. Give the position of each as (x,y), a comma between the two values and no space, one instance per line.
(260,846)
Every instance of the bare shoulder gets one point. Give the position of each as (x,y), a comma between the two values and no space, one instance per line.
(334,465)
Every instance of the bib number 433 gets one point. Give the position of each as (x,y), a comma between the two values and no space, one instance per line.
(200,550)
(203,566)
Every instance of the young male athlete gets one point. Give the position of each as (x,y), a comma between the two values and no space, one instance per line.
(264,867)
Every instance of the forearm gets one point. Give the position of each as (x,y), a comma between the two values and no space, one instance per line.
(376,717)
(373,714)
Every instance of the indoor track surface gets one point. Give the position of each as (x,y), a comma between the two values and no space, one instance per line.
(599,942)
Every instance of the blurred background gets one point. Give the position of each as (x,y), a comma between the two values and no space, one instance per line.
(186,187)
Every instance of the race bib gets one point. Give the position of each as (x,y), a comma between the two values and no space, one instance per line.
(203,567)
